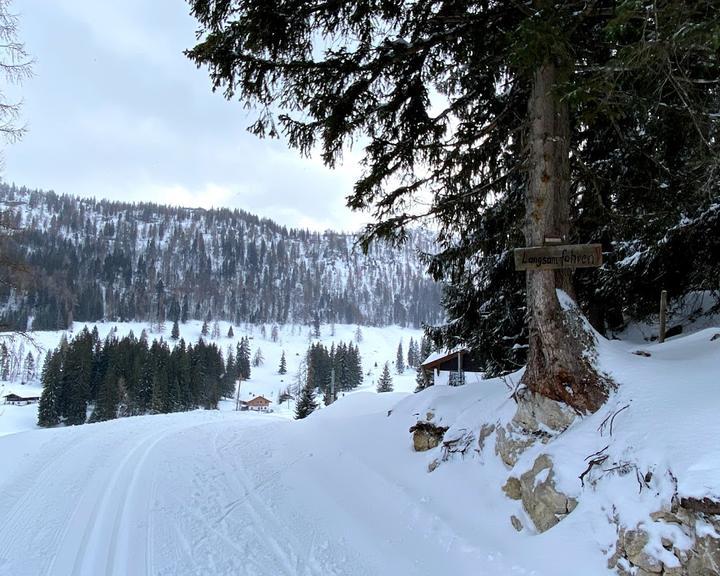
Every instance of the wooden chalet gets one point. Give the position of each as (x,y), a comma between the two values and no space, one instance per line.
(259,404)
(16,400)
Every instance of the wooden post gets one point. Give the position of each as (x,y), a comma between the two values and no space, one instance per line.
(461,378)
(663,316)
(332,386)
(237,396)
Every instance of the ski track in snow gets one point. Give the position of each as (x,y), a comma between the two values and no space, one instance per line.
(218,494)
(154,496)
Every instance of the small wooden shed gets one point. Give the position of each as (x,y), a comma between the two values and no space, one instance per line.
(451,361)
(457,361)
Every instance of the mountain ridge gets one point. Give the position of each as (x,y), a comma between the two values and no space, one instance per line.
(92,259)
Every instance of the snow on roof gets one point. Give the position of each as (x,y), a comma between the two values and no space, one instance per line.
(258,400)
(441,354)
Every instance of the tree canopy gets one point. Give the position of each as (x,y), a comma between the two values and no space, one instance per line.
(437,94)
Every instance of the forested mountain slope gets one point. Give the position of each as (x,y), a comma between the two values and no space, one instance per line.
(86,260)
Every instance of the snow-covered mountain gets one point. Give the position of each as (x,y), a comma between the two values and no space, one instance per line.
(88,260)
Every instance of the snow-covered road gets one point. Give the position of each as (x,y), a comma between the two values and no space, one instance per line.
(226,493)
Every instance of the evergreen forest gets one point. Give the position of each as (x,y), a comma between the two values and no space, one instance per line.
(86,260)
(87,379)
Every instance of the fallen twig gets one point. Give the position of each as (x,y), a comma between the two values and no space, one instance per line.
(614,415)
(611,418)
(594,462)
(597,453)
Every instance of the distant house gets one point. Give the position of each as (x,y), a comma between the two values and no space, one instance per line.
(451,366)
(259,404)
(16,400)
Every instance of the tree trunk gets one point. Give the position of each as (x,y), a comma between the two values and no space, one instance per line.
(561,348)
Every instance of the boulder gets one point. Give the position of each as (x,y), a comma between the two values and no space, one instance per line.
(517,524)
(633,542)
(537,413)
(646,563)
(665,516)
(545,505)
(427,436)
(510,443)
(513,488)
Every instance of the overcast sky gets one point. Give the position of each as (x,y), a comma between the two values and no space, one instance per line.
(116,111)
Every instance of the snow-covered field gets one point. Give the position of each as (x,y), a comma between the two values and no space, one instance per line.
(377,346)
(343,492)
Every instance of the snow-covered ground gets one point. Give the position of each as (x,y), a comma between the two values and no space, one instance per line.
(236,493)
(342,492)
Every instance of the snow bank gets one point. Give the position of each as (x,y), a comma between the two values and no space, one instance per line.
(656,436)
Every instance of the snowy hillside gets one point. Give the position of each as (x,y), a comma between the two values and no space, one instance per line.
(343,492)
(88,260)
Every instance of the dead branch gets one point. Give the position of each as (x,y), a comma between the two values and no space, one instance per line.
(598,453)
(594,462)
(611,418)
(459,445)
(614,415)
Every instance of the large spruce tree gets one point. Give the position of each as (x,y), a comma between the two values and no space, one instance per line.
(48,409)
(485,110)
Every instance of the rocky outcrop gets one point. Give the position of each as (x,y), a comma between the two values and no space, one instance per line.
(536,413)
(513,488)
(485,431)
(544,504)
(427,435)
(537,418)
(697,525)
(510,443)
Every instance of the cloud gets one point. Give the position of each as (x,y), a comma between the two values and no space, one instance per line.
(117,111)
(134,28)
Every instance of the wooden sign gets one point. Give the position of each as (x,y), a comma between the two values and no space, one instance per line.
(558,257)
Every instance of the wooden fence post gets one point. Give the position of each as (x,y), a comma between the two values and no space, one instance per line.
(663,316)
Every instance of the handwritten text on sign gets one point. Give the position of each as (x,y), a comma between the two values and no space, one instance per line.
(558,257)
